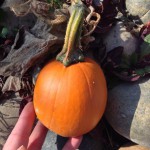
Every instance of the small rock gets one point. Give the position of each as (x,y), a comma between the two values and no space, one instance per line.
(128,111)
(50,141)
(146,17)
(132,146)
(140,9)
(119,36)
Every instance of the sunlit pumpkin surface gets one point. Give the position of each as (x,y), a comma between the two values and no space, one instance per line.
(70,100)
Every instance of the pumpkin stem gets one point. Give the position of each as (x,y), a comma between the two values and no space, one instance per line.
(71,52)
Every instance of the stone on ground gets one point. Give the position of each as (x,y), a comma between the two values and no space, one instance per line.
(128,111)
(9,112)
(132,146)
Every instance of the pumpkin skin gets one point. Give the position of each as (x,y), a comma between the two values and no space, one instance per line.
(70,101)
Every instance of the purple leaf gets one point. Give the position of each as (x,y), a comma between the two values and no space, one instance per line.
(126,78)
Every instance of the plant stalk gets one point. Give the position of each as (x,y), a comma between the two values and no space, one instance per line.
(71,52)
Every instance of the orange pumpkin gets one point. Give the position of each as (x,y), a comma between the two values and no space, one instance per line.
(70,100)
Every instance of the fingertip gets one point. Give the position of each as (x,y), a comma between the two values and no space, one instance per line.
(73,143)
(76,141)
(28,108)
(28,113)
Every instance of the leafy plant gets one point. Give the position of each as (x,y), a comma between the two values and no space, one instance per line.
(4,32)
(143,71)
(130,67)
(145,47)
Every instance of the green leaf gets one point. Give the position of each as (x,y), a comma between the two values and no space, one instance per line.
(48,1)
(145,47)
(140,72)
(4,32)
(143,71)
(147,38)
(147,69)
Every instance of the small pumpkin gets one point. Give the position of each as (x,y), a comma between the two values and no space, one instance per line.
(70,100)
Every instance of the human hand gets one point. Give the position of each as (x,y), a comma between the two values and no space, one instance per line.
(21,137)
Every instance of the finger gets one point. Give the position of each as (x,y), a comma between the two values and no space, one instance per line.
(22,148)
(37,137)
(73,143)
(20,134)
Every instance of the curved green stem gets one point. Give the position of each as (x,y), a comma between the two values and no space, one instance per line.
(75,26)
(68,30)
(71,52)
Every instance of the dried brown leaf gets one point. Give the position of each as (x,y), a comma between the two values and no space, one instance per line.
(31,47)
(11,84)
